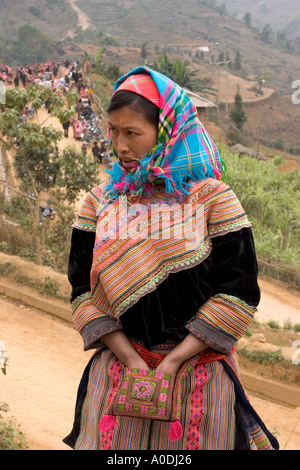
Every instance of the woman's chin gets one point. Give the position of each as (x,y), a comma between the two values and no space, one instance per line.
(129,166)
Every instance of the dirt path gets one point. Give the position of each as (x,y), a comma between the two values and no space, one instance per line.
(46,361)
(83,19)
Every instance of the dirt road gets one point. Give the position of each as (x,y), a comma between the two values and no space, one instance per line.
(46,361)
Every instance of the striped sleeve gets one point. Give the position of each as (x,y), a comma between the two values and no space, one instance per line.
(224,318)
(222,321)
(91,323)
(226,213)
(87,216)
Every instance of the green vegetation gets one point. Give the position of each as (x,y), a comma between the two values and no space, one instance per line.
(47,287)
(41,167)
(264,357)
(272,201)
(48,16)
(11,434)
(180,72)
(238,114)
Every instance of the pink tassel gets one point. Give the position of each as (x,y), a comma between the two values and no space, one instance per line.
(217,173)
(120,186)
(175,431)
(107,423)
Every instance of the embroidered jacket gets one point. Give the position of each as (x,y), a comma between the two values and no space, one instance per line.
(159,288)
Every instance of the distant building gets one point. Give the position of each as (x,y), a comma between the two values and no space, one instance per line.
(203,49)
(202,105)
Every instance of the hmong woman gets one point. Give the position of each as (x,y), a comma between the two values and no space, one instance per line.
(164,282)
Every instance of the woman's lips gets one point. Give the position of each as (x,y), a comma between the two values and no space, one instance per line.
(128,163)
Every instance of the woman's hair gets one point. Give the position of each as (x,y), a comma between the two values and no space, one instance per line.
(137,103)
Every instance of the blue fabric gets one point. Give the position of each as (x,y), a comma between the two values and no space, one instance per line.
(184,152)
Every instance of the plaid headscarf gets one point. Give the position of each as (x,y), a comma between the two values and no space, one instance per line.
(184,152)
(144,85)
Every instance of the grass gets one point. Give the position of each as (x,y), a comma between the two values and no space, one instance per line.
(272,201)
(264,357)
(47,287)
(11,434)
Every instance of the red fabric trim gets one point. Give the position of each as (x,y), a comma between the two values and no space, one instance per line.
(142,85)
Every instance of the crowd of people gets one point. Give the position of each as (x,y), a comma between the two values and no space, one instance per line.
(62,77)
(6,73)
(56,75)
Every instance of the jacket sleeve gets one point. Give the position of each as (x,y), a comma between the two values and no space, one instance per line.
(91,323)
(226,315)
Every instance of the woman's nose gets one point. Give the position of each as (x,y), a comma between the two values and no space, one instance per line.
(122,144)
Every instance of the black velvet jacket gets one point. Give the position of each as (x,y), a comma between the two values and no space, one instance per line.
(161,315)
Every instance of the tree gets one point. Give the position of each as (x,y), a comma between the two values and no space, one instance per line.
(144,52)
(238,114)
(36,160)
(266,34)
(181,73)
(77,173)
(33,45)
(237,63)
(222,9)
(248,19)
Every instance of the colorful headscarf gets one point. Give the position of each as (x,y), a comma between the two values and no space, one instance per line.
(143,85)
(184,152)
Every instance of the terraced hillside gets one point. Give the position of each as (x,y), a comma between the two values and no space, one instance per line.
(52,17)
(184,26)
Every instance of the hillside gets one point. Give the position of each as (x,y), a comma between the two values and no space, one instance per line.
(279,15)
(123,26)
(53,17)
(182,31)
(159,25)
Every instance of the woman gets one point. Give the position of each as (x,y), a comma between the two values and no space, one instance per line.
(78,129)
(164,279)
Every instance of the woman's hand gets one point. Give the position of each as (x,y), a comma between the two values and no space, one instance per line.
(169,365)
(183,351)
(120,345)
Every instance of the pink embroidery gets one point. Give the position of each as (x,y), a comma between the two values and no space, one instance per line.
(163,397)
(144,409)
(143,389)
(196,408)
(159,375)
(115,376)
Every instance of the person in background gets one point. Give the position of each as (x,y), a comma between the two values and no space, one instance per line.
(66,126)
(16,80)
(96,151)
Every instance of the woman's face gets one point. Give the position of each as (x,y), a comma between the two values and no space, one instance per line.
(132,135)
